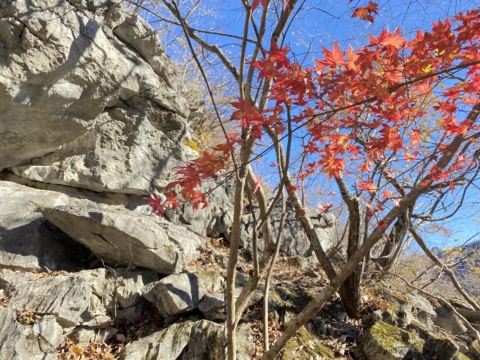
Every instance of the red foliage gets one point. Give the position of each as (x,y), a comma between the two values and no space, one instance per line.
(362,107)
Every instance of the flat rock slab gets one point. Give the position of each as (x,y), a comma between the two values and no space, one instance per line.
(122,238)
(26,242)
(177,294)
(28,342)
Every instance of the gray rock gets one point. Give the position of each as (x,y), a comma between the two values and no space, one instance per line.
(386,342)
(121,285)
(447,320)
(20,342)
(78,82)
(188,340)
(87,334)
(207,341)
(26,243)
(129,238)
(11,280)
(212,307)
(176,294)
(132,312)
(124,152)
(294,241)
(66,297)
(165,344)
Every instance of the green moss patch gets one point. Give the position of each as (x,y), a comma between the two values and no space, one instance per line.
(305,345)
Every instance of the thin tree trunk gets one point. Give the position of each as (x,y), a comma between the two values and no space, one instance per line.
(355,236)
(270,272)
(264,261)
(245,154)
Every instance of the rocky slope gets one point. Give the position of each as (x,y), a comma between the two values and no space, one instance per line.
(91,122)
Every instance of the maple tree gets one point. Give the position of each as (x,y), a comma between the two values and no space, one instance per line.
(367,113)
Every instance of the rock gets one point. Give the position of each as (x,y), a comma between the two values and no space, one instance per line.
(215,220)
(112,155)
(305,346)
(11,280)
(294,241)
(207,341)
(70,72)
(26,242)
(212,307)
(395,315)
(220,258)
(188,340)
(165,344)
(67,297)
(87,334)
(129,238)
(176,294)
(447,320)
(122,285)
(386,342)
(32,342)
(439,346)
(132,312)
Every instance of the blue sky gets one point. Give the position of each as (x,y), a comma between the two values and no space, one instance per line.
(322,23)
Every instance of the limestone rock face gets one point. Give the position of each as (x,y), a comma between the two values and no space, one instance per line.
(123,238)
(294,241)
(88,97)
(65,297)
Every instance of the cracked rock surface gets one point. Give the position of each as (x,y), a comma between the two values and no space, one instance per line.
(123,238)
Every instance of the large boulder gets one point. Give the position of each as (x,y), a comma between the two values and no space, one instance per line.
(89,97)
(387,342)
(294,241)
(122,238)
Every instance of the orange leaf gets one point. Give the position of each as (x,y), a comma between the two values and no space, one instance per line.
(365,13)
(368,185)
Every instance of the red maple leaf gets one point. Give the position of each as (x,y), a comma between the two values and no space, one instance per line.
(368,185)
(388,39)
(334,57)
(365,13)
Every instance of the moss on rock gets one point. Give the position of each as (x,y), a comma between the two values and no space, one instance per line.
(387,342)
(304,346)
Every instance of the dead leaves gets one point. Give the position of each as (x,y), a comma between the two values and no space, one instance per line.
(69,350)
